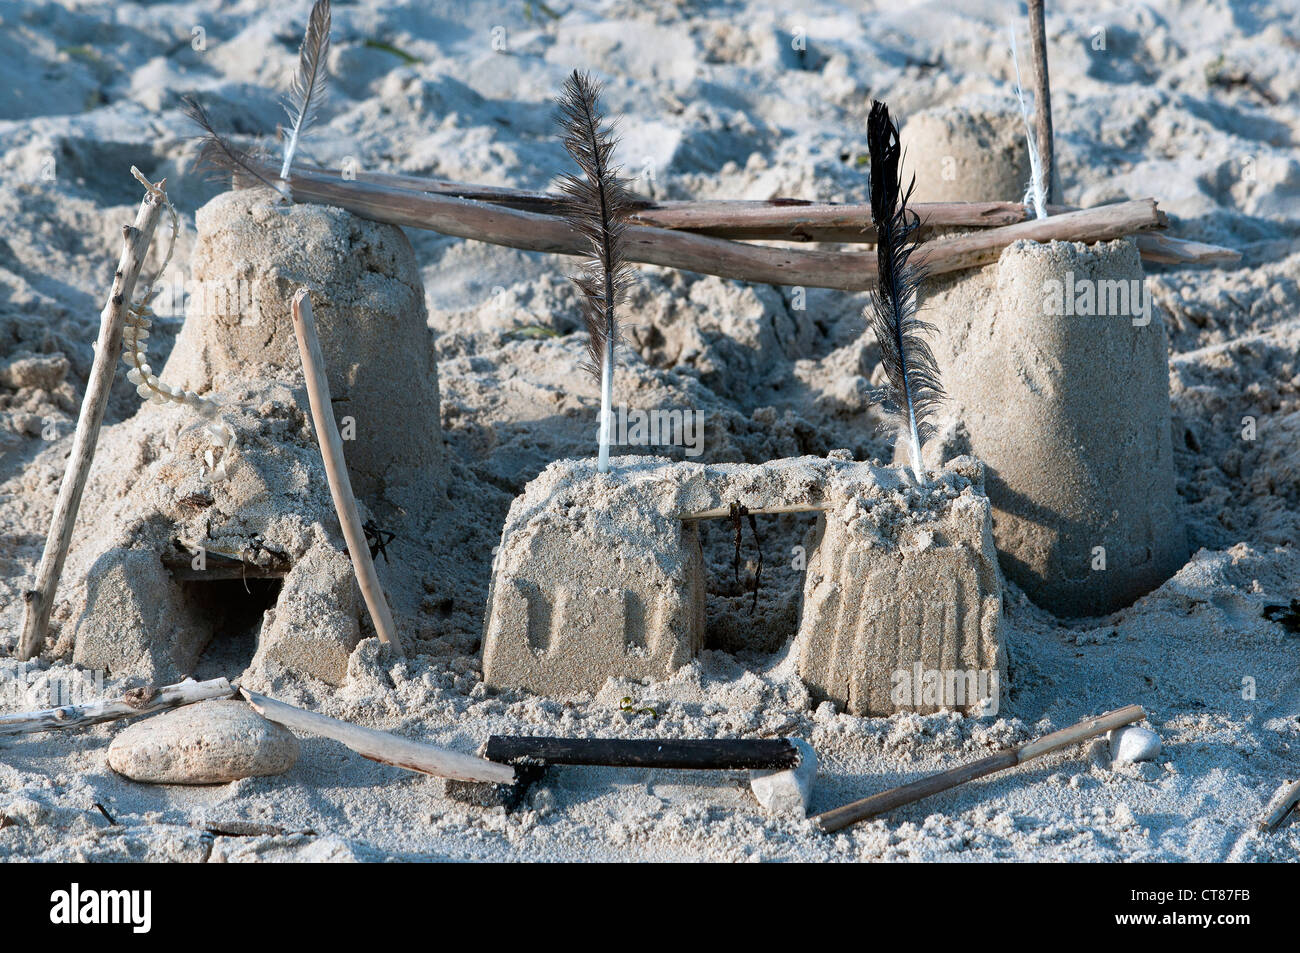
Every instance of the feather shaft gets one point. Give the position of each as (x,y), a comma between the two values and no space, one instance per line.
(914,388)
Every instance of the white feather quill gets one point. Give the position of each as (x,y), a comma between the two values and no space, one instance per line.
(1037,192)
(308,90)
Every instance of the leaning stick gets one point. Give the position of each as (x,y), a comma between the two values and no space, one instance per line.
(1042,97)
(336,469)
(842,817)
(135,246)
(1286,799)
(383,746)
(138,701)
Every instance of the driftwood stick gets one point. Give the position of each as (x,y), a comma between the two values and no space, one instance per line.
(713,754)
(1103,223)
(778,219)
(846,271)
(336,470)
(383,746)
(798,220)
(530,231)
(1283,803)
(135,702)
(135,246)
(1043,98)
(885,801)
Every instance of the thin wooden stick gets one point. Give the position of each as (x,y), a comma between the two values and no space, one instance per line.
(778,219)
(139,701)
(336,469)
(1281,806)
(842,817)
(135,246)
(710,754)
(1043,98)
(547,233)
(1100,224)
(383,746)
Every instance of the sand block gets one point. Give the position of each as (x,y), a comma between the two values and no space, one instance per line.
(1057,364)
(595,578)
(600,575)
(251,254)
(314,626)
(902,607)
(135,620)
(213,742)
(968,152)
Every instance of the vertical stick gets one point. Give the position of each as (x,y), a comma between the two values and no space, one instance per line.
(1043,97)
(1283,802)
(135,246)
(336,470)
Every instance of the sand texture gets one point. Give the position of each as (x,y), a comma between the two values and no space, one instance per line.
(1195,104)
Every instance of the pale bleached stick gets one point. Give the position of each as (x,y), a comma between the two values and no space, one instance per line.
(777,219)
(336,469)
(139,701)
(1282,804)
(108,347)
(1043,98)
(702,254)
(842,817)
(383,746)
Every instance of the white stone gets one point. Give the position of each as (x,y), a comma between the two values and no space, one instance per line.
(212,742)
(1131,744)
(788,791)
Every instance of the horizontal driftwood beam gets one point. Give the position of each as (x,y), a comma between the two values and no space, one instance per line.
(140,701)
(847,271)
(382,746)
(715,754)
(531,231)
(799,220)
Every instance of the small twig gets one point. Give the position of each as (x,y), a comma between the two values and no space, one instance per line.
(128,706)
(1282,805)
(336,470)
(107,816)
(1042,97)
(885,801)
(135,246)
(383,746)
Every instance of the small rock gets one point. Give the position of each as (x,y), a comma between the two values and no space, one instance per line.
(213,742)
(789,791)
(1129,745)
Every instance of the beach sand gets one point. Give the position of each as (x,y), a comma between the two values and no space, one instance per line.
(1197,105)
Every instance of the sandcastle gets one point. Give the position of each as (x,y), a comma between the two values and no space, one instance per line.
(1057,364)
(600,576)
(182,554)
(973,152)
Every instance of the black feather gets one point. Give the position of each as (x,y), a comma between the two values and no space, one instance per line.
(914,387)
(218,155)
(596,205)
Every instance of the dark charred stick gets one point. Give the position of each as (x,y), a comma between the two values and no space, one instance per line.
(703,754)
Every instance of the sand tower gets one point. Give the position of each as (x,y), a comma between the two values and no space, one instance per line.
(1058,365)
(166,563)
(966,153)
(253,252)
